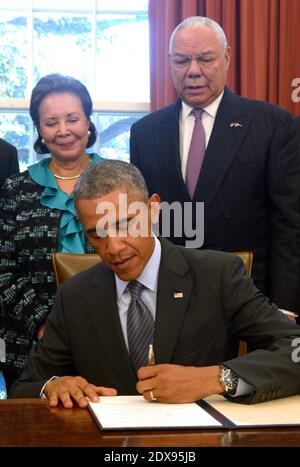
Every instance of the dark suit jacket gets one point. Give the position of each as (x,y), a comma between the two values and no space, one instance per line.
(249,182)
(83,334)
(9,163)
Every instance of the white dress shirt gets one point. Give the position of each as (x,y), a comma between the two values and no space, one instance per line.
(186,127)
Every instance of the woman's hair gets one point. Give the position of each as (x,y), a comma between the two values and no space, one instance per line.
(56,83)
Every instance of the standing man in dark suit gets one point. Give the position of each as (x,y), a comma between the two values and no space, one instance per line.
(188,304)
(250,176)
(9,163)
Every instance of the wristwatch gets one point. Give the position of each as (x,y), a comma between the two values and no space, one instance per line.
(229,380)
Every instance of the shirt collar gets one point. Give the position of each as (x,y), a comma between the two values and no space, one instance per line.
(149,276)
(211,109)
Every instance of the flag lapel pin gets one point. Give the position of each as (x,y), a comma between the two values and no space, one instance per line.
(178,294)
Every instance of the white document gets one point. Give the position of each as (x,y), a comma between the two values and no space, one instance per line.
(279,412)
(134,412)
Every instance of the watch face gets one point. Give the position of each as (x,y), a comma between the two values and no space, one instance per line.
(228,380)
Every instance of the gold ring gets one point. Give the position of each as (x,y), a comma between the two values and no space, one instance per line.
(152,396)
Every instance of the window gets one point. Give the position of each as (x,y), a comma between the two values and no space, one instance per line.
(103,43)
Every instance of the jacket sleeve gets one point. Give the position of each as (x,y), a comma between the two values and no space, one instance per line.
(22,307)
(269,365)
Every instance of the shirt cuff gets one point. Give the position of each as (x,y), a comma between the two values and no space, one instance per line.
(289,313)
(243,389)
(42,395)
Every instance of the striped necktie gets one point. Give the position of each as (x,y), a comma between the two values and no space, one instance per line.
(140,327)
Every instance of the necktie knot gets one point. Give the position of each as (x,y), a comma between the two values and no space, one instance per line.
(135,288)
(197,113)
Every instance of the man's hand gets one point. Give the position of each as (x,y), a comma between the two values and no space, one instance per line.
(68,389)
(178,384)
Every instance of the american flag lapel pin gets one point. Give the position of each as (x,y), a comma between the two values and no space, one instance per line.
(178,294)
(235,125)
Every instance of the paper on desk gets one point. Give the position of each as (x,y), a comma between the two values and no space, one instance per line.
(279,412)
(123,412)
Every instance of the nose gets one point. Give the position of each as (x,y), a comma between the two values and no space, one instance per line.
(194,68)
(115,245)
(62,129)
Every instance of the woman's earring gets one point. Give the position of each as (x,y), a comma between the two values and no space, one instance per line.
(89,133)
(43,141)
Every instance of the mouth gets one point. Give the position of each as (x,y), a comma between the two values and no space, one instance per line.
(195,88)
(66,145)
(123,264)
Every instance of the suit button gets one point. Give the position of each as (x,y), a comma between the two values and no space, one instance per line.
(226,214)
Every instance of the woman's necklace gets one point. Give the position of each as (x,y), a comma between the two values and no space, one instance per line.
(71,177)
(66,178)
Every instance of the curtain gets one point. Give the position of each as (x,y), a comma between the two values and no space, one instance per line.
(263,38)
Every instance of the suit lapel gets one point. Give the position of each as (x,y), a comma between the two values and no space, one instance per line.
(168,146)
(104,312)
(174,290)
(223,146)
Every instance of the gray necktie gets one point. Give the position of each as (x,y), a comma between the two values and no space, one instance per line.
(140,327)
(196,153)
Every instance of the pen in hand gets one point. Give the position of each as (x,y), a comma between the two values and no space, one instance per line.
(151,359)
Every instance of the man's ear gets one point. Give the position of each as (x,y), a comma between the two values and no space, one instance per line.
(154,206)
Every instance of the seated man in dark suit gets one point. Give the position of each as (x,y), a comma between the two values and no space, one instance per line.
(9,163)
(190,305)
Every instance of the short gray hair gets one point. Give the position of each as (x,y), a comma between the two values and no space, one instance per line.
(103,177)
(200,22)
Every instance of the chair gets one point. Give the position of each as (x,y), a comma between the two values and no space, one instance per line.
(66,265)
(247,258)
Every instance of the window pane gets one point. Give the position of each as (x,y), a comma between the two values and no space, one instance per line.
(113,134)
(123,5)
(15,128)
(62,44)
(122,62)
(13,55)
(13,4)
(51,5)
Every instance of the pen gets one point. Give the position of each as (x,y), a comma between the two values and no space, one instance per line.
(151,359)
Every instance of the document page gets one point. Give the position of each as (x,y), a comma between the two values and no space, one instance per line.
(134,412)
(279,412)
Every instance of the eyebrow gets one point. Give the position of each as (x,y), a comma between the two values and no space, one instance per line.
(209,52)
(117,224)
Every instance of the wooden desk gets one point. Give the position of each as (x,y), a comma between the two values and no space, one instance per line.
(30,422)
